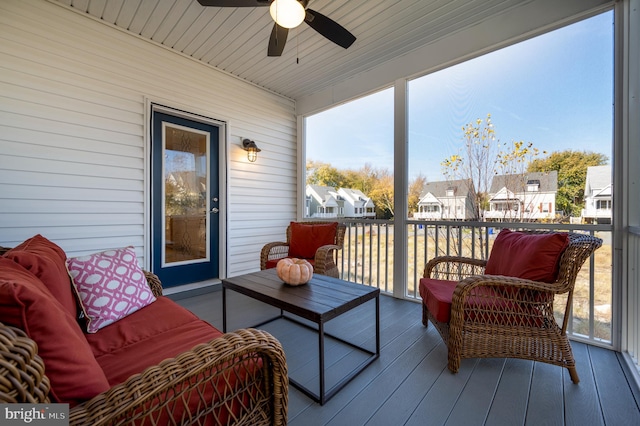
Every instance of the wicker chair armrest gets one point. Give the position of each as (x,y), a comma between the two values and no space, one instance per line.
(274,250)
(159,389)
(467,284)
(487,298)
(324,262)
(22,378)
(453,268)
(324,251)
(154,283)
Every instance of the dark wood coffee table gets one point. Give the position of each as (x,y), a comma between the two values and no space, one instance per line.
(320,300)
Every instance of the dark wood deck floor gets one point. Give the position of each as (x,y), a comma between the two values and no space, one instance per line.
(410,384)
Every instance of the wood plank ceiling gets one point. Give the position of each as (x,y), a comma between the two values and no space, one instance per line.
(235,39)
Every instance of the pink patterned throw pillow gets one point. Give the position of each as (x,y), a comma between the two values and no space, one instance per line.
(110,286)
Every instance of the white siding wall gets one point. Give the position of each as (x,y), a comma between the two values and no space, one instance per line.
(73,142)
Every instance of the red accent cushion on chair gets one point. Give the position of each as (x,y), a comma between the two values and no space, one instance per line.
(26,303)
(46,260)
(530,256)
(437,296)
(307,239)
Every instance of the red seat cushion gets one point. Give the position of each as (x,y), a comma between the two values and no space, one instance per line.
(489,305)
(274,262)
(530,256)
(47,261)
(165,330)
(307,239)
(152,334)
(26,303)
(437,296)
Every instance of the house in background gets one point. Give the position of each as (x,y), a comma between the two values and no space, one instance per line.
(357,204)
(323,202)
(523,197)
(447,200)
(598,192)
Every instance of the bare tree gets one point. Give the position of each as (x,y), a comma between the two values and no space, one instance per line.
(480,159)
(476,160)
(519,188)
(483,157)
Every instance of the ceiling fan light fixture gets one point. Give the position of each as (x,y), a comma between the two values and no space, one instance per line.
(287,13)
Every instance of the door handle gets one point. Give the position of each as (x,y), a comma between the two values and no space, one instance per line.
(215,210)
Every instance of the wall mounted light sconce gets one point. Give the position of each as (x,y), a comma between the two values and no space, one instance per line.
(251,148)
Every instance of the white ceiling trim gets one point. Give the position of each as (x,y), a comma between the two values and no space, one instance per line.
(395,39)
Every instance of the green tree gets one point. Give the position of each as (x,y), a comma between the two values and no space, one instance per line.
(382,195)
(572,173)
(324,174)
(415,189)
(363,179)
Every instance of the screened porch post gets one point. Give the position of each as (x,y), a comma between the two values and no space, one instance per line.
(400,187)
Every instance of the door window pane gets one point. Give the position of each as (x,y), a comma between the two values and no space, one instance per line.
(185,189)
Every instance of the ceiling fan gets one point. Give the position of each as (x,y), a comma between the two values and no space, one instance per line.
(289,14)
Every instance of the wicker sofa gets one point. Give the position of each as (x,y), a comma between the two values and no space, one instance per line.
(189,372)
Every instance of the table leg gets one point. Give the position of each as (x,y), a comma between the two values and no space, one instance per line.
(321,357)
(224,309)
(378,325)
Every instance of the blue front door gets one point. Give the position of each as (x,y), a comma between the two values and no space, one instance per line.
(184,199)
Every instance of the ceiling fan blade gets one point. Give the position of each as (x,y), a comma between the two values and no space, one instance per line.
(329,28)
(277,40)
(235,3)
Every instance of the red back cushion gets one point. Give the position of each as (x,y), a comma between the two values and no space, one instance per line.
(529,256)
(307,239)
(47,261)
(26,303)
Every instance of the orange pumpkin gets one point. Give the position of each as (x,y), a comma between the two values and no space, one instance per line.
(294,271)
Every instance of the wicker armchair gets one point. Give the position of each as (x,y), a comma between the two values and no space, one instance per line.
(175,385)
(324,261)
(498,316)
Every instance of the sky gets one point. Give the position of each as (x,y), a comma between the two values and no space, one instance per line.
(555,91)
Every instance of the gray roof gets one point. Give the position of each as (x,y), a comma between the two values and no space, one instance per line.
(439,189)
(598,177)
(355,193)
(517,183)
(324,192)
